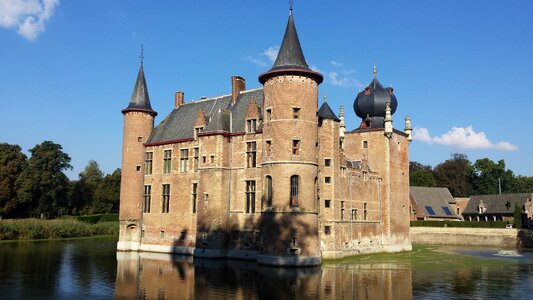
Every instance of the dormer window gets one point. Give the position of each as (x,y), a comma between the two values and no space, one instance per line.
(197,131)
(367,91)
(251,125)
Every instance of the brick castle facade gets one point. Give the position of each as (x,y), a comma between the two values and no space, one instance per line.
(265,174)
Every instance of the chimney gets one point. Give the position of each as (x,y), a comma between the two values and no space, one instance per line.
(179,99)
(238,84)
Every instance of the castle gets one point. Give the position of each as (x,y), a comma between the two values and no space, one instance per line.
(265,174)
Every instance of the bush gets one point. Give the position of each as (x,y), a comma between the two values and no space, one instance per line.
(30,229)
(467,224)
(93,219)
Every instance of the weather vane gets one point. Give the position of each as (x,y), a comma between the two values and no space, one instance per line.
(142,54)
(290,6)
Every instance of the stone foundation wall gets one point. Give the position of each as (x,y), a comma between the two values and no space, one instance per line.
(465,236)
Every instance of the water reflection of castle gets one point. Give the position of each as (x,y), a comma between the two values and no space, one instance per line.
(156,276)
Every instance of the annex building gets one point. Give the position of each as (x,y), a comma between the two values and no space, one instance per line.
(266,174)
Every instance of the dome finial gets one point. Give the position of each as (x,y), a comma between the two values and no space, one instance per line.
(142,54)
(375,72)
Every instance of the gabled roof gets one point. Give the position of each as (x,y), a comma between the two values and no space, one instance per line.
(325,112)
(496,204)
(434,202)
(218,111)
(140,101)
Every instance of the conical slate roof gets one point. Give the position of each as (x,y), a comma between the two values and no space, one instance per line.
(290,59)
(140,101)
(325,112)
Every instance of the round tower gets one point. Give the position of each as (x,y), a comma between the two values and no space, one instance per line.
(138,125)
(290,166)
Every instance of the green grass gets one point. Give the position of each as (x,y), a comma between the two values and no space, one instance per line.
(35,229)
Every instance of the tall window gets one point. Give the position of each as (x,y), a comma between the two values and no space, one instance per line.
(250,196)
(354,214)
(365,211)
(166,198)
(167,161)
(268,148)
(294,190)
(148,158)
(147,198)
(197,131)
(295,147)
(269,114)
(194,196)
(251,154)
(251,125)
(196,159)
(184,160)
(365,144)
(342,210)
(268,193)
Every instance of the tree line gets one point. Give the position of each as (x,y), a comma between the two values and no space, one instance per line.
(464,178)
(38,186)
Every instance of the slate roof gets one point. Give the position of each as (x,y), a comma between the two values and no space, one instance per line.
(496,204)
(435,198)
(374,103)
(219,112)
(139,98)
(325,112)
(290,57)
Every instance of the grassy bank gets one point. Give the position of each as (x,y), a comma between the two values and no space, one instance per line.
(34,229)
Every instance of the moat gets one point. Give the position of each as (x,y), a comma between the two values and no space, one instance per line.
(91,268)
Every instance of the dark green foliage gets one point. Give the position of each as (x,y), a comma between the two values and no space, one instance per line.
(468,224)
(107,195)
(421,175)
(517,216)
(12,164)
(455,174)
(93,219)
(29,229)
(42,186)
(83,190)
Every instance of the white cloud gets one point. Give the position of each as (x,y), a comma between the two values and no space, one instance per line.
(315,68)
(256,61)
(342,76)
(271,53)
(336,63)
(462,138)
(28,16)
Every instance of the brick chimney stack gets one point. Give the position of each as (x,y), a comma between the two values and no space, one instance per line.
(238,84)
(179,99)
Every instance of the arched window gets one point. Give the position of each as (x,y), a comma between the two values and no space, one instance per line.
(268,192)
(294,190)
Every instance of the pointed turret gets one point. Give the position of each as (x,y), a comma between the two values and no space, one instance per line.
(140,101)
(325,112)
(290,59)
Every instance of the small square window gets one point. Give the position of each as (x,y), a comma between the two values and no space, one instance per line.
(295,147)
(296,112)
(138,168)
(204,159)
(162,234)
(206,197)
(212,159)
(365,144)
(327,203)
(139,139)
(327,179)
(327,162)
(327,230)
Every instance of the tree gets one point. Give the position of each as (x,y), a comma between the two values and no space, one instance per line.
(82,192)
(42,185)
(517,216)
(455,174)
(12,164)
(421,175)
(107,195)
(487,176)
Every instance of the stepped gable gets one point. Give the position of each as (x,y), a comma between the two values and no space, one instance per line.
(179,124)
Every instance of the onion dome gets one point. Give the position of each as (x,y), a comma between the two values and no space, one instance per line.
(140,101)
(290,59)
(371,103)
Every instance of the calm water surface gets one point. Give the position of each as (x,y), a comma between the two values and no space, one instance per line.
(91,269)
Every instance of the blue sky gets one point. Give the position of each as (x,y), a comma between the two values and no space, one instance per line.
(463,70)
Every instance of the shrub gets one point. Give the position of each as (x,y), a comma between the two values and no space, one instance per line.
(468,224)
(93,219)
(27,229)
